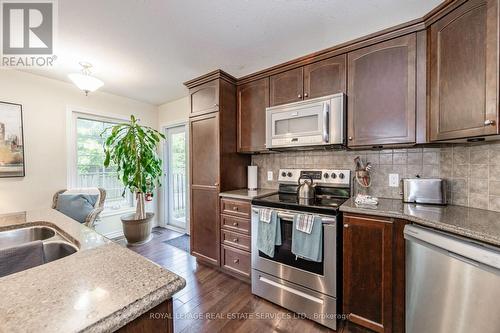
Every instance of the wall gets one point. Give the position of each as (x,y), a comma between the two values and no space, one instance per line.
(172,113)
(473,170)
(44,113)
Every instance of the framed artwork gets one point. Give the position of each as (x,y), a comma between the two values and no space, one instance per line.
(11,140)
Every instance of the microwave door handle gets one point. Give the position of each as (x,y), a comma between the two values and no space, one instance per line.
(325,122)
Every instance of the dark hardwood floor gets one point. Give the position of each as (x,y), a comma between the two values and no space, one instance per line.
(216,302)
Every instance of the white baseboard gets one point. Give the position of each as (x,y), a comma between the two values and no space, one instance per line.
(114,234)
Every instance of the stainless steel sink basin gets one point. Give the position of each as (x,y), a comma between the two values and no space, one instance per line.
(55,247)
(57,250)
(20,236)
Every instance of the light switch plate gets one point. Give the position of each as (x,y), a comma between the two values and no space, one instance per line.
(270,176)
(393,180)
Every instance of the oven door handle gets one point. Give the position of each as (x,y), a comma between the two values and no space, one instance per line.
(289,217)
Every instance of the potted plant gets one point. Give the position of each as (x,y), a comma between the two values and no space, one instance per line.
(133,149)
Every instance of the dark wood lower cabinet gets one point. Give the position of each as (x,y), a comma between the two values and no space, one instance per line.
(205,224)
(158,319)
(374,272)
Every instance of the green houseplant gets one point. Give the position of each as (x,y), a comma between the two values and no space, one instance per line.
(132,148)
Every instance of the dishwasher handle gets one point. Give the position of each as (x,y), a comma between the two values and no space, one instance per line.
(458,248)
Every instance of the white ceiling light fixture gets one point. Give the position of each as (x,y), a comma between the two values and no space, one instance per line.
(84,80)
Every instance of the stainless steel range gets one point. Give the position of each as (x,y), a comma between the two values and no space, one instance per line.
(303,286)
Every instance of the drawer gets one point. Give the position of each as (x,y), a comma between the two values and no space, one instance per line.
(237,224)
(236,261)
(235,207)
(235,239)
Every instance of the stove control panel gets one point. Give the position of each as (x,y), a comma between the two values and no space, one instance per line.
(320,176)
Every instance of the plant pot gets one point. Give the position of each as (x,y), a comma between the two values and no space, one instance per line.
(137,232)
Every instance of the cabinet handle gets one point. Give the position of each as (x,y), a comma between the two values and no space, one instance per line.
(306,95)
(216,184)
(235,208)
(346,225)
(236,261)
(299,96)
(489,122)
(235,224)
(350,138)
(235,240)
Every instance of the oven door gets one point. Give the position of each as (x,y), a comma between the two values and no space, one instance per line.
(298,124)
(321,277)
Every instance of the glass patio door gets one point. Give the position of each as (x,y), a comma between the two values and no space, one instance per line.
(176,176)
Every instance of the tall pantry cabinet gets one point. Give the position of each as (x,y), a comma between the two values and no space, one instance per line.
(215,165)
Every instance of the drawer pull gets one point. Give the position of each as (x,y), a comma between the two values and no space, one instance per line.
(235,240)
(236,261)
(235,224)
(235,208)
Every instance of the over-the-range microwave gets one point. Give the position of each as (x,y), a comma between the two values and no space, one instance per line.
(314,122)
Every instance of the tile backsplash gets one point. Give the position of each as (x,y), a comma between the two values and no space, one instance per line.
(472,170)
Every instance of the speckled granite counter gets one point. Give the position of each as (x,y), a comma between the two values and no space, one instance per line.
(245,194)
(478,224)
(100,288)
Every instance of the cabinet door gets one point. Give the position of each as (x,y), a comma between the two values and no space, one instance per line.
(367,281)
(325,77)
(287,87)
(204,224)
(253,99)
(204,98)
(381,93)
(204,152)
(464,72)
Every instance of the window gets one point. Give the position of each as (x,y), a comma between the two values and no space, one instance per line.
(90,170)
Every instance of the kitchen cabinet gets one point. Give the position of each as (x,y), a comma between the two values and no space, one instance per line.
(464,72)
(205,224)
(325,77)
(253,99)
(381,108)
(368,272)
(287,87)
(235,237)
(214,164)
(204,98)
(321,78)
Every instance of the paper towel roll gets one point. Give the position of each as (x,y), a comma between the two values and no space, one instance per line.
(252,177)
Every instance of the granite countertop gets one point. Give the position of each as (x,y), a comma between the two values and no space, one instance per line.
(245,194)
(478,224)
(100,288)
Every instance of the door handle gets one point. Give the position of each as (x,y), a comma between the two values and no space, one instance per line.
(489,122)
(325,122)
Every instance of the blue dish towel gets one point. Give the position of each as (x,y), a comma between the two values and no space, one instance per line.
(308,246)
(269,235)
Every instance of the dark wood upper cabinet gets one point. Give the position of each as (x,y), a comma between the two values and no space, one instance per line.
(325,77)
(368,272)
(253,99)
(205,224)
(464,72)
(382,93)
(204,98)
(287,87)
(204,142)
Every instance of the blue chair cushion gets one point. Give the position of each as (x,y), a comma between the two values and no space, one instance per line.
(76,206)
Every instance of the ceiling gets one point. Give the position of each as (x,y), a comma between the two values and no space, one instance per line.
(145,49)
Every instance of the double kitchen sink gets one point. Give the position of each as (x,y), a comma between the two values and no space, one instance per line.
(55,246)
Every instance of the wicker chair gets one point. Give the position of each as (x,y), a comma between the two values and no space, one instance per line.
(99,205)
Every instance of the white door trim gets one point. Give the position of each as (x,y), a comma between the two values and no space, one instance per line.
(164,193)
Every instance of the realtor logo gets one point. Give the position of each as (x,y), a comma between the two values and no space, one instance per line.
(28,28)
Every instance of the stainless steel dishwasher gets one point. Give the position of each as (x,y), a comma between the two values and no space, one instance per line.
(452,284)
